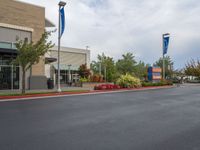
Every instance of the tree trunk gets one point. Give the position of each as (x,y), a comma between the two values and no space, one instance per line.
(23,81)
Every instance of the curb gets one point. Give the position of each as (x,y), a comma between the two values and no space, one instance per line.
(70,94)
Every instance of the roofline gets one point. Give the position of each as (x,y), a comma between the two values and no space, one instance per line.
(16,27)
(29,3)
(55,48)
(51,24)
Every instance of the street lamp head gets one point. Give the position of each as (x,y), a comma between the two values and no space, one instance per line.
(61,3)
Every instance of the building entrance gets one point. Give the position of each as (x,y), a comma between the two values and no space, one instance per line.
(9,77)
(9,74)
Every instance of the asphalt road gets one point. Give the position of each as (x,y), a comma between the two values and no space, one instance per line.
(167,119)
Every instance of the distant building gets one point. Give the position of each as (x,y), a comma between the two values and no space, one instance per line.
(70,61)
(23,20)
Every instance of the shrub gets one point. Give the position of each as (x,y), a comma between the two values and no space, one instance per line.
(106,87)
(84,72)
(162,83)
(128,81)
(84,80)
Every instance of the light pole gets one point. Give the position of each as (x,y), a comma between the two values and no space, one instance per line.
(105,72)
(99,68)
(61,4)
(69,74)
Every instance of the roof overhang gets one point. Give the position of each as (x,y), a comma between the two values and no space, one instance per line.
(16,27)
(50,60)
(66,67)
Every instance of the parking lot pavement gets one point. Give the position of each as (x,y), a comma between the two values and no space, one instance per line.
(165,119)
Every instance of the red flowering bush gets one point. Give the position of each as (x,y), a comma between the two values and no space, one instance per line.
(106,87)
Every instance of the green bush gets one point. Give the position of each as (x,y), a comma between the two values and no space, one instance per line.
(84,80)
(128,81)
(162,83)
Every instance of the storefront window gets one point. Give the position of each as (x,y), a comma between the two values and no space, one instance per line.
(9,75)
(6,45)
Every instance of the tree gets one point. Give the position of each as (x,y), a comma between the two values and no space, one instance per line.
(126,64)
(140,70)
(29,53)
(192,68)
(178,75)
(94,66)
(104,65)
(84,72)
(168,66)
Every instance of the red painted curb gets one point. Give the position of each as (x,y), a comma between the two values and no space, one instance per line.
(75,93)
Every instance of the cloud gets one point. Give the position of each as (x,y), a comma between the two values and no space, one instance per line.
(116,27)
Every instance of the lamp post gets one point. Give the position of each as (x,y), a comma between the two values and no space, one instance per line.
(105,72)
(69,74)
(60,4)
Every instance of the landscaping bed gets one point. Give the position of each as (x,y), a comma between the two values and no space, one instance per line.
(109,89)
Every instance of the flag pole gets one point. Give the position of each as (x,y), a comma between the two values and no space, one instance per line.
(163,57)
(58,88)
(165,40)
(61,4)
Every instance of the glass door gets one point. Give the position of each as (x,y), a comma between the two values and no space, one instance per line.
(5,77)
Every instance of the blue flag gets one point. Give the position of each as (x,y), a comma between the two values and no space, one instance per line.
(165,44)
(62,21)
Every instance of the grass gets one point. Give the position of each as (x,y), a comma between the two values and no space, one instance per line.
(36,93)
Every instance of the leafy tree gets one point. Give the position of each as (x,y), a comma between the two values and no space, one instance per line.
(94,66)
(126,64)
(192,68)
(29,53)
(84,72)
(178,75)
(140,70)
(104,65)
(168,65)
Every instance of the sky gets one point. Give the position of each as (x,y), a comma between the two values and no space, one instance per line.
(115,27)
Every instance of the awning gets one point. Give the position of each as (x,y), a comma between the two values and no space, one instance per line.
(8,51)
(66,67)
(50,60)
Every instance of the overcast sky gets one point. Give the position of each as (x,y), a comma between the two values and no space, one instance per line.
(118,26)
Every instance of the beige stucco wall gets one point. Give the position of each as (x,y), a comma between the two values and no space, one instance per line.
(73,56)
(21,14)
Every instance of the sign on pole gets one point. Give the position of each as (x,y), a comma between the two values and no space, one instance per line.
(165,49)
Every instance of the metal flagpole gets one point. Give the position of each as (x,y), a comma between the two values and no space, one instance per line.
(61,4)
(163,57)
(165,39)
(59,37)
